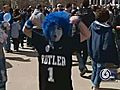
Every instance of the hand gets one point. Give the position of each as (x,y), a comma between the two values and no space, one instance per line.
(35,21)
(5,25)
(118,27)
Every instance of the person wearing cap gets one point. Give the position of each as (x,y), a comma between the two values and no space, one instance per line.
(87,17)
(81,30)
(55,46)
(60,7)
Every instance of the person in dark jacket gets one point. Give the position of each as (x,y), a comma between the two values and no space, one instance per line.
(101,46)
(116,24)
(87,17)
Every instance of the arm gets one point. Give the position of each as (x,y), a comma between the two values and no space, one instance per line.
(27,32)
(84,32)
(118,27)
(27,29)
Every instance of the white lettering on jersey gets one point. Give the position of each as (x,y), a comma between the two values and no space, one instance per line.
(53,60)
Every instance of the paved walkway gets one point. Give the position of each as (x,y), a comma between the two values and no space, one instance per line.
(23,73)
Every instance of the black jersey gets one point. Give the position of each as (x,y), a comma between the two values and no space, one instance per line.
(54,62)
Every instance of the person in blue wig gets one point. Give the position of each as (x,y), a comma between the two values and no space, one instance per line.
(55,47)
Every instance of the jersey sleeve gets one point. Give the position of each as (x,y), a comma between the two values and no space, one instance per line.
(37,39)
(75,43)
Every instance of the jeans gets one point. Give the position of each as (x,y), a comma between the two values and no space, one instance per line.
(95,78)
(21,38)
(81,61)
(16,43)
(84,51)
(82,55)
(2,86)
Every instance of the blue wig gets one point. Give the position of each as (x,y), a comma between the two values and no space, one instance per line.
(61,19)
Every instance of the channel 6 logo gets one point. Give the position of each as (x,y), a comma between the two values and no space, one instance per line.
(106,74)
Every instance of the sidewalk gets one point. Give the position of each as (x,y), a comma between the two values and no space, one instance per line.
(23,73)
(85,83)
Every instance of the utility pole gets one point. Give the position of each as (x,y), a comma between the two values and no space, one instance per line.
(119,3)
(14,4)
(97,2)
(11,3)
(105,2)
(90,2)
(113,2)
(94,2)
(100,2)
(52,2)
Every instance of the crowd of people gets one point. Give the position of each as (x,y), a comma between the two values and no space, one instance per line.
(59,32)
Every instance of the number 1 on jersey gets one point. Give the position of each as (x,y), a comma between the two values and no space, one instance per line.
(50,78)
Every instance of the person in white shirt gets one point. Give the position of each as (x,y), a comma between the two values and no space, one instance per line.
(15,33)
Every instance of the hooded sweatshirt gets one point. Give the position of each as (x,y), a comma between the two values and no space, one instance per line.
(101,45)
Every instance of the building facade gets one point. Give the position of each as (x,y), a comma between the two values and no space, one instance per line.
(104,2)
